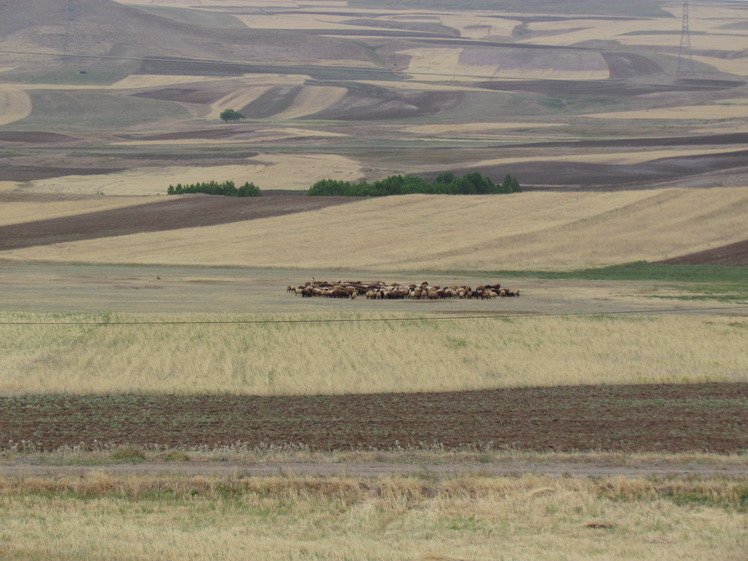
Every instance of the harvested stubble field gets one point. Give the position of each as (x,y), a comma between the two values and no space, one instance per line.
(525,231)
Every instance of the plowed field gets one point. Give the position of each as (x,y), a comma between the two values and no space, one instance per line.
(642,418)
(182,212)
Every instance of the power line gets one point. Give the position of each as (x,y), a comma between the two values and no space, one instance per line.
(492,316)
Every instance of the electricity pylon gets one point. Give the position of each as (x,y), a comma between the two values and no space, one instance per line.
(685,54)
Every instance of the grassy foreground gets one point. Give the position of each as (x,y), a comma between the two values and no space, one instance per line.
(226,518)
(349,353)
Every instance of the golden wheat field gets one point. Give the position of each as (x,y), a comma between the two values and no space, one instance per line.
(333,353)
(532,231)
(17,212)
(270,171)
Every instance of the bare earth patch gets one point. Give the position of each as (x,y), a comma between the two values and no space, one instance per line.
(641,418)
(174,213)
(734,254)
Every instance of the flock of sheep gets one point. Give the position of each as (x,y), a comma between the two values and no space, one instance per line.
(393,291)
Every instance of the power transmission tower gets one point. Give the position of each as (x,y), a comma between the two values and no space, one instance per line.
(685,54)
(71,46)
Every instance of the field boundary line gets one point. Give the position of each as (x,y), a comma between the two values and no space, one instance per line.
(379,320)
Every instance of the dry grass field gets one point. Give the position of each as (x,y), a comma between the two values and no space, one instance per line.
(149,517)
(360,352)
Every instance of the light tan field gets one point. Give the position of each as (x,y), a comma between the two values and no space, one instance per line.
(249,88)
(533,231)
(239,98)
(103,517)
(725,41)
(232,3)
(156,80)
(17,212)
(342,357)
(258,136)
(312,99)
(736,66)
(295,171)
(300,21)
(717,128)
(15,104)
(716,112)
(479,26)
(436,64)
(702,18)
(476,128)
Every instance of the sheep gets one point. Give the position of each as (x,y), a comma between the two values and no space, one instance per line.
(395,291)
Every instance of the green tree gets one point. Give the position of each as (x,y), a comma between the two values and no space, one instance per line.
(229,115)
(510,185)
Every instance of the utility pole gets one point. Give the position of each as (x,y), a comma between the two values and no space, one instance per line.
(71,46)
(685,54)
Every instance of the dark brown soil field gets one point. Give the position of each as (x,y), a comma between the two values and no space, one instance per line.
(582,176)
(227,131)
(735,254)
(34,137)
(640,418)
(181,212)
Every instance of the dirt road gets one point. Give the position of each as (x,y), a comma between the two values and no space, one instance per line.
(383,469)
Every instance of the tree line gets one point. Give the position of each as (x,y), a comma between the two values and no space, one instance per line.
(446,183)
(227,189)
